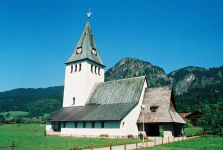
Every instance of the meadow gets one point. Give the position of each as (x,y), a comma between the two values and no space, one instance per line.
(207,142)
(27,138)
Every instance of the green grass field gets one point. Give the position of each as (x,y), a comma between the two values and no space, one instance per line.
(186,130)
(27,138)
(207,142)
(19,114)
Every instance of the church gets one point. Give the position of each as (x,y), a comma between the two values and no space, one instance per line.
(92,107)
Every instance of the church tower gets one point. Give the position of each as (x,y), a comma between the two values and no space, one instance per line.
(84,68)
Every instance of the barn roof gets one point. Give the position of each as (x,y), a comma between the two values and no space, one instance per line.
(110,100)
(166,112)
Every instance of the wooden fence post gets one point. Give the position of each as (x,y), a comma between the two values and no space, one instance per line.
(110,146)
(80,148)
(146,142)
(45,145)
(136,144)
(12,145)
(162,140)
(76,147)
(124,145)
(92,146)
(154,141)
(178,138)
(168,139)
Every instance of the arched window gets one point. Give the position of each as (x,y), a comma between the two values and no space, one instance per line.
(71,69)
(75,68)
(79,67)
(95,70)
(92,68)
(99,70)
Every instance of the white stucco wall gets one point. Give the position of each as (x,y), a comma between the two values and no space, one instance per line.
(131,118)
(79,84)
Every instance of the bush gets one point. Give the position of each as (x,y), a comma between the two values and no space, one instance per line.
(140,135)
(188,125)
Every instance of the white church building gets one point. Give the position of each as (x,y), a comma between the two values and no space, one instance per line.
(92,107)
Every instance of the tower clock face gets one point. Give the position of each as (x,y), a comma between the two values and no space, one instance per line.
(94,51)
(79,50)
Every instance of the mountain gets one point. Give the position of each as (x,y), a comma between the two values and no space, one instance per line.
(130,67)
(194,87)
(189,78)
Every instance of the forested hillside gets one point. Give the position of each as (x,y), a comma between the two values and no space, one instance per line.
(194,87)
(36,101)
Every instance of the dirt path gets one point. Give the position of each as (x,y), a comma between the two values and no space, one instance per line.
(140,145)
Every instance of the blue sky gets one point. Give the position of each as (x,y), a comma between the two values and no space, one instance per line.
(38,36)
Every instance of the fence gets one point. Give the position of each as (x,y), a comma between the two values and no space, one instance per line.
(148,142)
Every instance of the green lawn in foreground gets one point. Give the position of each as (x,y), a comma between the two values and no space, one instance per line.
(200,143)
(28,139)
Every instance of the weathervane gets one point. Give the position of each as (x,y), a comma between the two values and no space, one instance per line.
(88,14)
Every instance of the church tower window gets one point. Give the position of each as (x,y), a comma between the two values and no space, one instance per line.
(79,67)
(95,70)
(71,69)
(92,68)
(75,68)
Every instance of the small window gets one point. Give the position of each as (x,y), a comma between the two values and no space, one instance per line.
(154,108)
(79,67)
(98,70)
(71,69)
(102,124)
(75,124)
(92,68)
(64,124)
(123,124)
(84,124)
(95,70)
(93,123)
(73,101)
(75,68)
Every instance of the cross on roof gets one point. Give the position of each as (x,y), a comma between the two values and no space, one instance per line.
(88,14)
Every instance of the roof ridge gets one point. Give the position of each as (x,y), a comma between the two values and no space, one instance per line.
(123,79)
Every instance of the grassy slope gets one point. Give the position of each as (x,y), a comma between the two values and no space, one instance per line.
(199,143)
(28,139)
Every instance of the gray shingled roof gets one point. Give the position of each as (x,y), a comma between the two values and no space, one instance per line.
(87,43)
(165,113)
(110,100)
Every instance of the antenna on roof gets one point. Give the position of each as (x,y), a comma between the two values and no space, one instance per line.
(88,14)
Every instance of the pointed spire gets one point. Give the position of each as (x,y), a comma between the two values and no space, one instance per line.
(86,48)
